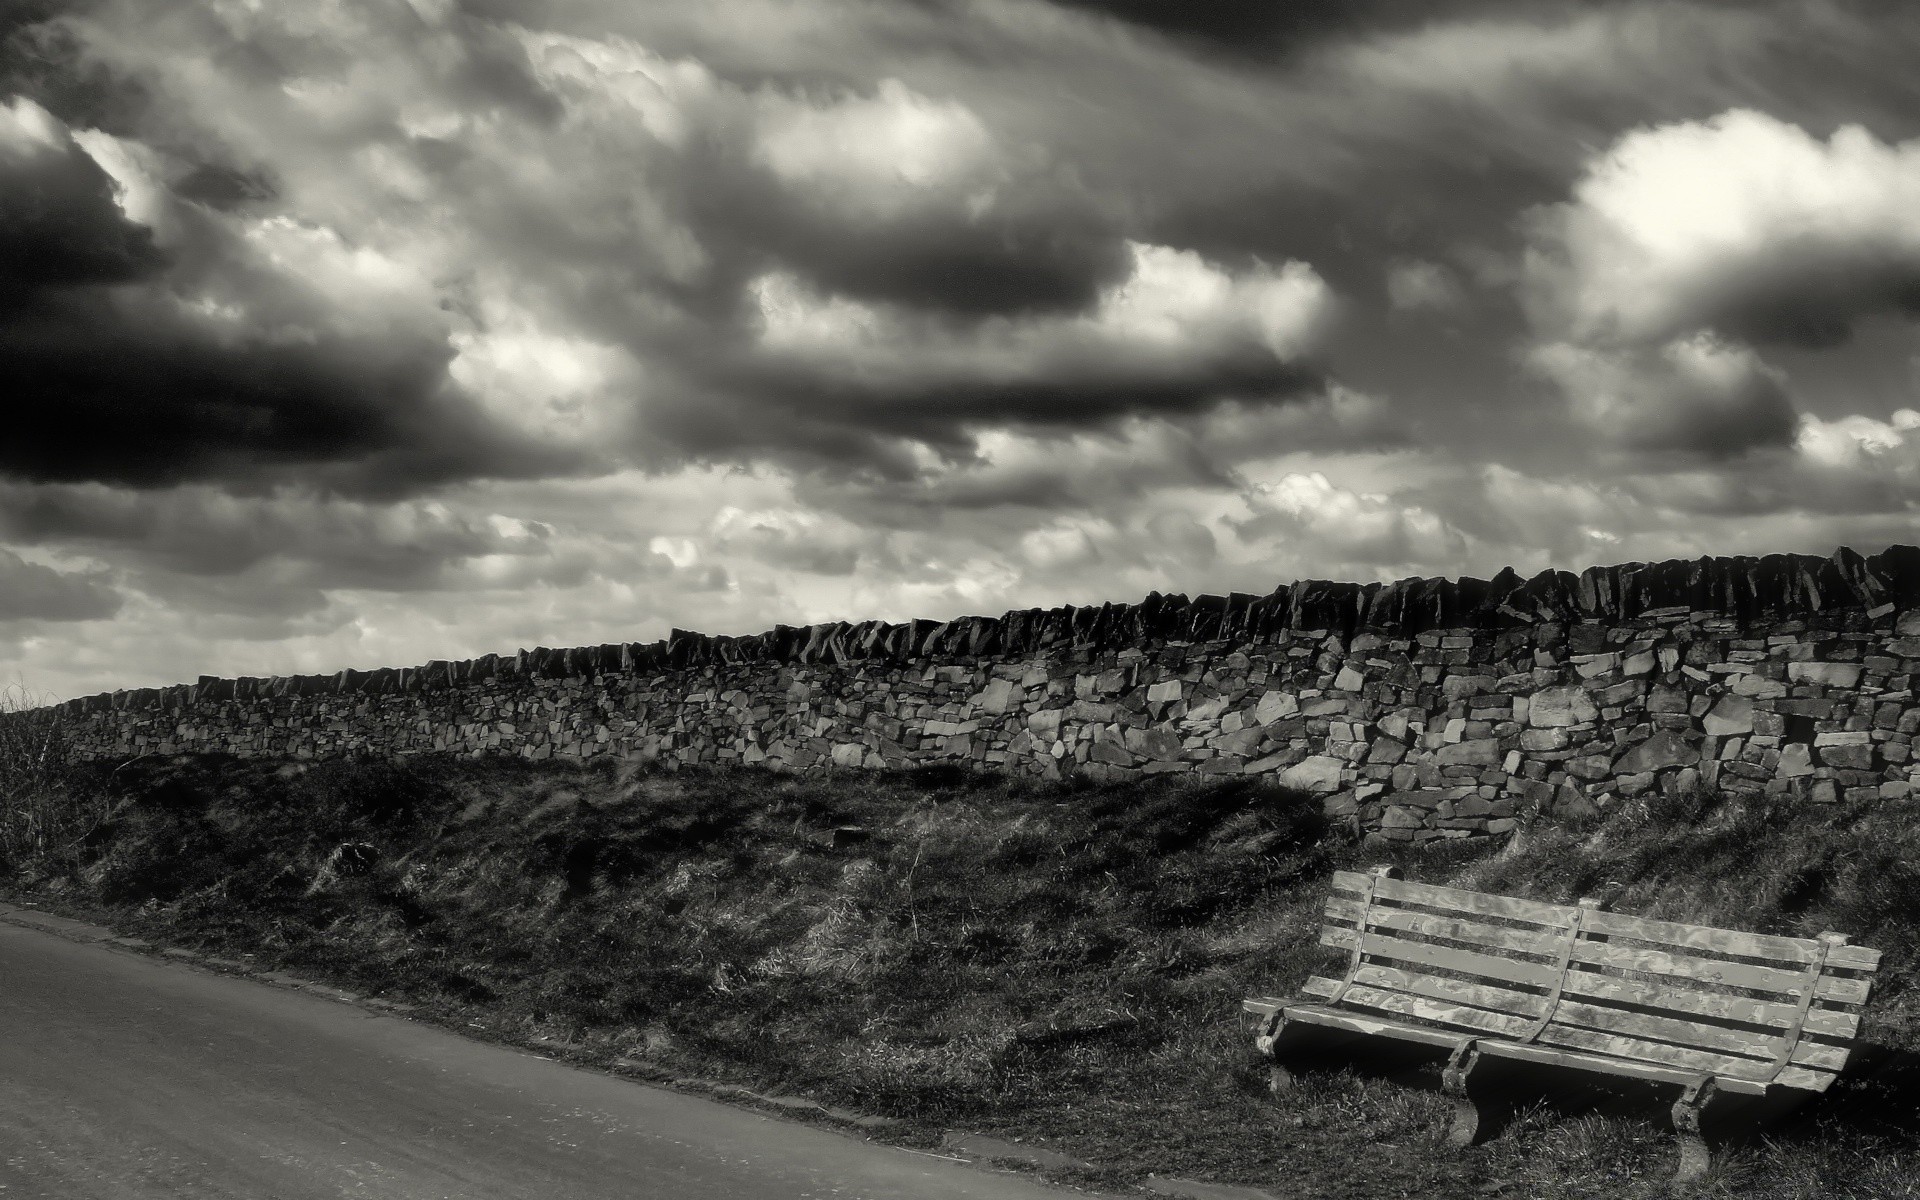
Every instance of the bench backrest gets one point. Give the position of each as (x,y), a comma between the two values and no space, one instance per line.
(1749,1006)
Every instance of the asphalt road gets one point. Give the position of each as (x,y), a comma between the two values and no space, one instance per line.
(123,1077)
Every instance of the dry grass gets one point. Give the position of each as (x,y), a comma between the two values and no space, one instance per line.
(1059,961)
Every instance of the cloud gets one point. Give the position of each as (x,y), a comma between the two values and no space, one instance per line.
(1743,224)
(220,352)
(1697,395)
(1419,285)
(1314,518)
(1177,333)
(34,591)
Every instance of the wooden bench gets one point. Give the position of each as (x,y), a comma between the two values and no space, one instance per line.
(1728,1017)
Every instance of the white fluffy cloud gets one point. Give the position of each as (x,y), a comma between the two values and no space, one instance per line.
(1743,224)
(1174,324)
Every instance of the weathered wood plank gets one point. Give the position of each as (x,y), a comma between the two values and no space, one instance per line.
(1602,1045)
(1509,970)
(1542,940)
(1460,900)
(1613,1045)
(1649,994)
(1697,1034)
(1716,971)
(1794,951)
(1555,1056)
(1527,1006)
(1688,1002)
(1458,1016)
(1337,1018)
(1673,933)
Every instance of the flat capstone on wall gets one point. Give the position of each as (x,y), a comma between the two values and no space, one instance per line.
(1420,710)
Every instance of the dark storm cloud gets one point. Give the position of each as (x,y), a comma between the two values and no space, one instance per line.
(201,531)
(124,384)
(1250,27)
(59,225)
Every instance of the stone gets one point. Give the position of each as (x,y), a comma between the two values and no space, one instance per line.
(1590,767)
(1349,680)
(1319,774)
(1275,705)
(1207,710)
(1386,750)
(1659,752)
(1000,696)
(1557,707)
(1165,692)
(1731,715)
(1664,699)
(1592,666)
(1243,742)
(1851,757)
(1759,687)
(1481,752)
(1153,742)
(1827,674)
(1402,817)
(1543,739)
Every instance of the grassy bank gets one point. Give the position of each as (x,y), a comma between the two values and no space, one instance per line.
(1056,962)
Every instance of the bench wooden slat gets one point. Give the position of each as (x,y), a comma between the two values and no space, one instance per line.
(1797,951)
(1607,1045)
(1460,929)
(1511,970)
(1718,1038)
(1825,1021)
(1595,1062)
(1651,993)
(1339,1018)
(1813,1055)
(1720,1065)
(1477,903)
(1713,970)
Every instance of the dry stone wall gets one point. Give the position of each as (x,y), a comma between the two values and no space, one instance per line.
(1420,710)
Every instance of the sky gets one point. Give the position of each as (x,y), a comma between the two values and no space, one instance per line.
(352,333)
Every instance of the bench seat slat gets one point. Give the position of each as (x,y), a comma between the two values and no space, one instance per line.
(1600,1050)
(1339,1018)
(1593,1062)
(1605,1045)
(1813,1055)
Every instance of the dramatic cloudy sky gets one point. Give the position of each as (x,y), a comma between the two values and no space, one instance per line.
(362,332)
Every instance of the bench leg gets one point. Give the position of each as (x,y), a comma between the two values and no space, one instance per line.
(1470,1115)
(1278,1039)
(1695,1155)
